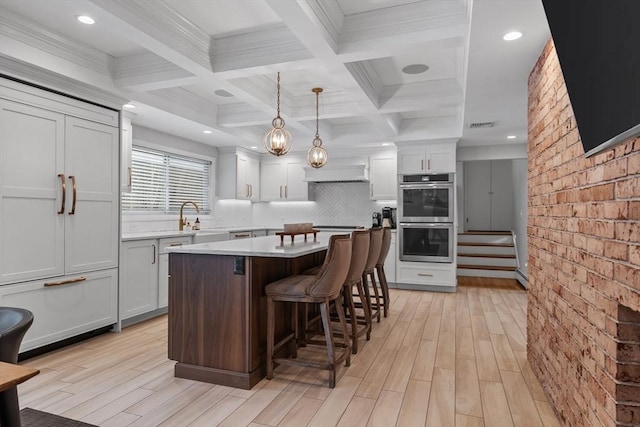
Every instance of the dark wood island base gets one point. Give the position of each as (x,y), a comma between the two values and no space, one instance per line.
(218,314)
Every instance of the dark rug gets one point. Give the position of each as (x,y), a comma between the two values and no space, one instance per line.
(33,418)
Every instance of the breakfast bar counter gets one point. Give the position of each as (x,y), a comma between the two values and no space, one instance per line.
(217,304)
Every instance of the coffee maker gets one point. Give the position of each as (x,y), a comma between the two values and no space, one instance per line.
(376,219)
(389,217)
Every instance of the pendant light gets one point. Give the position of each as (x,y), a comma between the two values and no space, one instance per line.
(277,141)
(317,156)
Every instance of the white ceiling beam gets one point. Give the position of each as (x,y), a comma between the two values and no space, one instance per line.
(148,71)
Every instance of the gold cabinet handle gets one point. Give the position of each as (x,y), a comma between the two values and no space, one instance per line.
(129,169)
(421,165)
(281,191)
(372,190)
(75,193)
(64,192)
(65,282)
(175,244)
(425,274)
(241,235)
(286,191)
(429,164)
(250,190)
(154,254)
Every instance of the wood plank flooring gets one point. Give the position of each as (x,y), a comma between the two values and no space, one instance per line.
(438,360)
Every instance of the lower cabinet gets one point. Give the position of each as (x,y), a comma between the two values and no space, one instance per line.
(138,277)
(438,275)
(65,306)
(144,274)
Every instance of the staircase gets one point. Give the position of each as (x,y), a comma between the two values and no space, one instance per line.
(486,254)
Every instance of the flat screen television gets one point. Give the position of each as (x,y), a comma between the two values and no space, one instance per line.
(598,45)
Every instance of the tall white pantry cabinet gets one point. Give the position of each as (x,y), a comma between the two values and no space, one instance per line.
(59,207)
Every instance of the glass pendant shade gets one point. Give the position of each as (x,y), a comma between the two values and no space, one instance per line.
(277,140)
(317,155)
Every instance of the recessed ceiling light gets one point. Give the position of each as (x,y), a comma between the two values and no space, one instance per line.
(513,35)
(511,137)
(207,131)
(131,106)
(254,147)
(86,19)
(223,93)
(384,144)
(415,69)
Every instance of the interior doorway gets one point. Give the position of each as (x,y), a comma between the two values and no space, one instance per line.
(488,195)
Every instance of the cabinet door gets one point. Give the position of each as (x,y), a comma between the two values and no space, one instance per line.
(91,220)
(163,267)
(296,188)
(31,225)
(253,179)
(138,277)
(272,181)
(383,176)
(411,160)
(242,186)
(126,145)
(65,306)
(441,158)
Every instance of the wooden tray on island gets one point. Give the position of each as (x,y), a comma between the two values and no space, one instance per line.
(296,233)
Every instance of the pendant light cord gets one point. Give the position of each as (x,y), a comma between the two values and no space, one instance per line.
(278,96)
(317,108)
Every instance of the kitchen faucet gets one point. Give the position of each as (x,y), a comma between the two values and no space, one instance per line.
(182,221)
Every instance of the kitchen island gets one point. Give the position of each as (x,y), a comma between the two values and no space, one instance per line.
(217,305)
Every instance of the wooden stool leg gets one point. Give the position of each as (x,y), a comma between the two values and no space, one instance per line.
(366,307)
(271,326)
(375,291)
(331,352)
(384,287)
(345,331)
(293,345)
(348,296)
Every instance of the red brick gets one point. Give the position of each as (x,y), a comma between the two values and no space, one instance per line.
(627,188)
(616,250)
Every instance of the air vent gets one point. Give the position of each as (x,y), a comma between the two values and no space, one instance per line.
(479,125)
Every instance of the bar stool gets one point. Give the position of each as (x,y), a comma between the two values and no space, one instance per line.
(382,277)
(321,289)
(360,240)
(14,323)
(369,271)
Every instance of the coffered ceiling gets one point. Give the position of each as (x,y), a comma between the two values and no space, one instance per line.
(172,58)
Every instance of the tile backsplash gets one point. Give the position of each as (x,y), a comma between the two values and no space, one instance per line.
(336,203)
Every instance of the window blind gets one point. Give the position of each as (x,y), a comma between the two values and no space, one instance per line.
(161,182)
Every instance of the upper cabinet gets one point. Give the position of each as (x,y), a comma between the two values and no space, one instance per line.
(126,145)
(427,158)
(282,180)
(238,175)
(383,181)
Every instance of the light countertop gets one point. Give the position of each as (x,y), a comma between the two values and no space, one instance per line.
(141,235)
(268,246)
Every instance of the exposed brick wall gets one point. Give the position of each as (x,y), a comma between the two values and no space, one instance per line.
(584,258)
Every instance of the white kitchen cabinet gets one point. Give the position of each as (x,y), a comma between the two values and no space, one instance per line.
(383,177)
(65,306)
(238,175)
(163,267)
(259,233)
(440,276)
(126,145)
(138,277)
(283,180)
(59,198)
(427,158)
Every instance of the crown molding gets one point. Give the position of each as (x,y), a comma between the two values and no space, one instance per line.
(22,30)
(413,22)
(257,48)
(366,77)
(329,15)
(148,71)
(41,77)
(160,29)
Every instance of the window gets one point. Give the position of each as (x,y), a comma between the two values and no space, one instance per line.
(161,182)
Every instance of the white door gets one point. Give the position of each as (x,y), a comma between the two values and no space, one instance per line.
(91,165)
(501,195)
(31,217)
(478,200)
(138,277)
(272,180)
(296,188)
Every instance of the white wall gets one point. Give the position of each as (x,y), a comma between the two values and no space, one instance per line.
(520,213)
(492,152)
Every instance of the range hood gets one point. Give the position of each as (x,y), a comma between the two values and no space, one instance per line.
(336,171)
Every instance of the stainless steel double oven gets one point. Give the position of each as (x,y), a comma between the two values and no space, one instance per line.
(426,214)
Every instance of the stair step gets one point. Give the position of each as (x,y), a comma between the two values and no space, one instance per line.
(486,267)
(481,233)
(468,272)
(486,255)
(498,245)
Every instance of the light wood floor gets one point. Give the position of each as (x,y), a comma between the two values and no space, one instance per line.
(438,360)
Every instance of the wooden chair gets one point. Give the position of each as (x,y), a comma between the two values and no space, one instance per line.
(360,240)
(321,289)
(382,277)
(369,271)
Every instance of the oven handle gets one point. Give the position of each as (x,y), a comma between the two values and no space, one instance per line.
(426,185)
(426,224)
